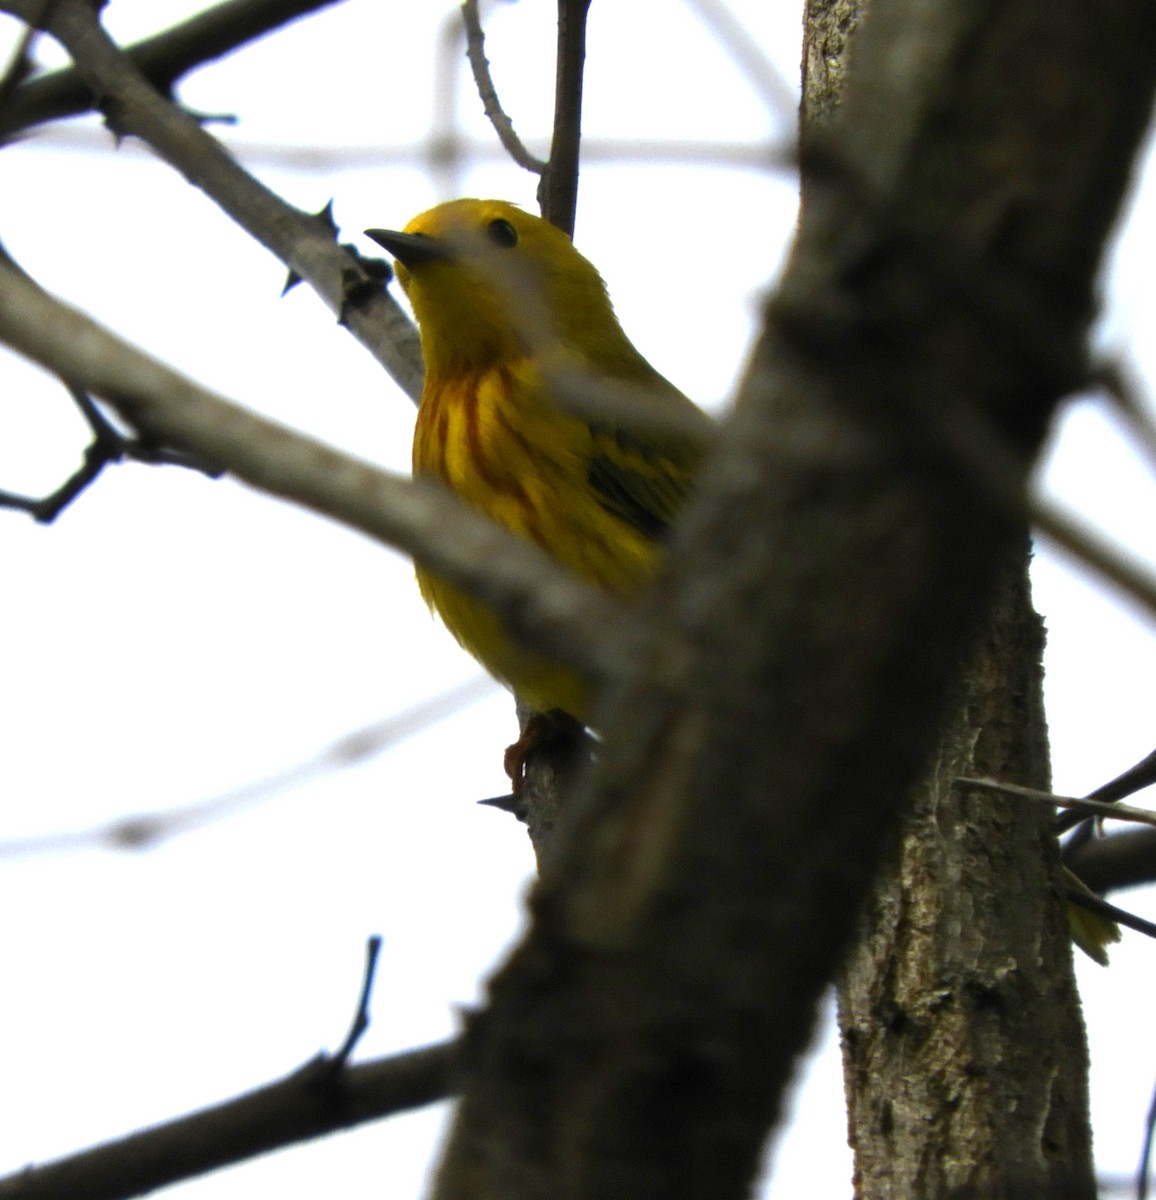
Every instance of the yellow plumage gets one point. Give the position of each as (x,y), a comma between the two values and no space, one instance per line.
(507,307)
(508,310)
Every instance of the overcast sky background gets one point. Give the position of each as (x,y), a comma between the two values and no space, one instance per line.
(171,638)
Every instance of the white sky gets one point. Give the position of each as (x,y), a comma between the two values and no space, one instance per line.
(171,638)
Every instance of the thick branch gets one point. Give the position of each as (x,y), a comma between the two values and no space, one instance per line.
(162,59)
(555,612)
(312,1102)
(1119,860)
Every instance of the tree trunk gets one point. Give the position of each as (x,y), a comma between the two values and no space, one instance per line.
(964,1052)
(963,1043)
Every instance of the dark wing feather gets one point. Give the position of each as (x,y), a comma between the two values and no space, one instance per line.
(642,482)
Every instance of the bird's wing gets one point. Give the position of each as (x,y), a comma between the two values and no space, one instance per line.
(641,481)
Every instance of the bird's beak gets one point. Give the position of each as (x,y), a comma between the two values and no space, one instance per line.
(410,249)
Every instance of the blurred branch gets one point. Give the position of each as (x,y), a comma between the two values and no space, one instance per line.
(1111,912)
(143,831)
(1113,566)
(1115,861)
(305,243)
(1116,377)
(441,148)
(1023,319)
(161,59)
(20,65)
(310,1103)
(1137,777)
(541,604)
(748,56)
(108,446)
(763,155)
(558,187)
(483,80)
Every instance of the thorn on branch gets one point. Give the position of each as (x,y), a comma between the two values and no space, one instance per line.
(509,803)
(324,218)
(205,118)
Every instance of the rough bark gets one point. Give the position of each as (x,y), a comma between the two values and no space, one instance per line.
(964,1051)
(963,1042)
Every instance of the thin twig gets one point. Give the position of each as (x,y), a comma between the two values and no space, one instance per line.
(1116,379)
(759,155)
(1137,777)
(295,1109)
(558,188)
(339,1061)
(748,56)
(488,93)
(108,446)
(1096,808)
(1146,1152)
(142,831)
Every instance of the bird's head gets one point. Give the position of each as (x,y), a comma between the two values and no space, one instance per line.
(489,283)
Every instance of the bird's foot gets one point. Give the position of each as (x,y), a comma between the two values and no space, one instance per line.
(555,730)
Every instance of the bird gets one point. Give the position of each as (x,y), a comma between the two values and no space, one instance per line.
(514,321)
(512,317)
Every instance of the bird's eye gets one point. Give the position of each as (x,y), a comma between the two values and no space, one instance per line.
(502,233)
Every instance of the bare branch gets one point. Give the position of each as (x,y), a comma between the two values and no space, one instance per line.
(1029,328)
(340,1061)
(1115,376)
(162,59)
(764,155)
(1118,860)
(310,1103)
(748,56)
(20,64)
(305,243)
(142,831)
(558,187)
(1113,566)
(108,446)
(1111,912)
(1137,777)
(488,93)
(1092,808)
(543,605)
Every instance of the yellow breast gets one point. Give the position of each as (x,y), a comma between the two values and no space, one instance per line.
(495,439)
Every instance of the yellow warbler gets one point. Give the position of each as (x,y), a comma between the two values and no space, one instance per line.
(511,315)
